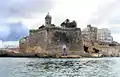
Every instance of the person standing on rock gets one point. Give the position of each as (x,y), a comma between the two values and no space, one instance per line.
(64,50)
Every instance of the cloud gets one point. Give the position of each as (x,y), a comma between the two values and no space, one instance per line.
(116,37)
(107,14)
(13,31)
(4,31)
(115,30)
(31,13)
(24,8)
(20,11)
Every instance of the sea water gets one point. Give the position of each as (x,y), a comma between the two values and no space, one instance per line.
(51,67)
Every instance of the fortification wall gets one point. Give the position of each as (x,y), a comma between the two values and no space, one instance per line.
(71,37)
(38,38)
(35,43)
(23,44)
(50,41)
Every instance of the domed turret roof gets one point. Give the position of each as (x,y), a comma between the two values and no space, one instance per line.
(48,16)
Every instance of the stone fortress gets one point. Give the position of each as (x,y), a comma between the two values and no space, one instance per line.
(49,39)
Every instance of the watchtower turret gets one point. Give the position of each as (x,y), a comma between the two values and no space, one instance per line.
(48,20)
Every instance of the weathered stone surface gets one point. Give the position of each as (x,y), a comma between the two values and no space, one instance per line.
(111,51)
(49,41)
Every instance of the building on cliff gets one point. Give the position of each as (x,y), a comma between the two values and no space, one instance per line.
(93,34)
(89,33)
(104,35)
(49,39)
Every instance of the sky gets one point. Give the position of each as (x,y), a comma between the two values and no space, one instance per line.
(18,16)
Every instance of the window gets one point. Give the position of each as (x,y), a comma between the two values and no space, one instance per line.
(47,23)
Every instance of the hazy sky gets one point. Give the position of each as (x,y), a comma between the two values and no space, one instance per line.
(31,13)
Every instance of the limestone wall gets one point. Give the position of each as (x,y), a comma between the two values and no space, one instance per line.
(50,41)
(35,43)
(38,38)
(23,44)
(111,51)
(70,37)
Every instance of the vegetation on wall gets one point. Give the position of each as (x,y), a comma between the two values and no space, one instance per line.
(69,24)
(33,30)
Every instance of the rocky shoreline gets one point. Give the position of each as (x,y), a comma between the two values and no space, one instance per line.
(9,53)
(16,53)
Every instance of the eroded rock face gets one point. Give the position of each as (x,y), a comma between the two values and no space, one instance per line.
(111,51)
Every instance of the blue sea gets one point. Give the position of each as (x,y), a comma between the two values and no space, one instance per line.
(51,67)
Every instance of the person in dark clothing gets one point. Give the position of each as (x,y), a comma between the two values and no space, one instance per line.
(64,50)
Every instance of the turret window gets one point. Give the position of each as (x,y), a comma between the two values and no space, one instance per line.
(46,22)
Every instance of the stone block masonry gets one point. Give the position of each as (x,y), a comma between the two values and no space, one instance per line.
(48,40)
(51,40)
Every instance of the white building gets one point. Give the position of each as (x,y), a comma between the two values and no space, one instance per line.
(1,44)
(89,33)
(11,44)
(104,35)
